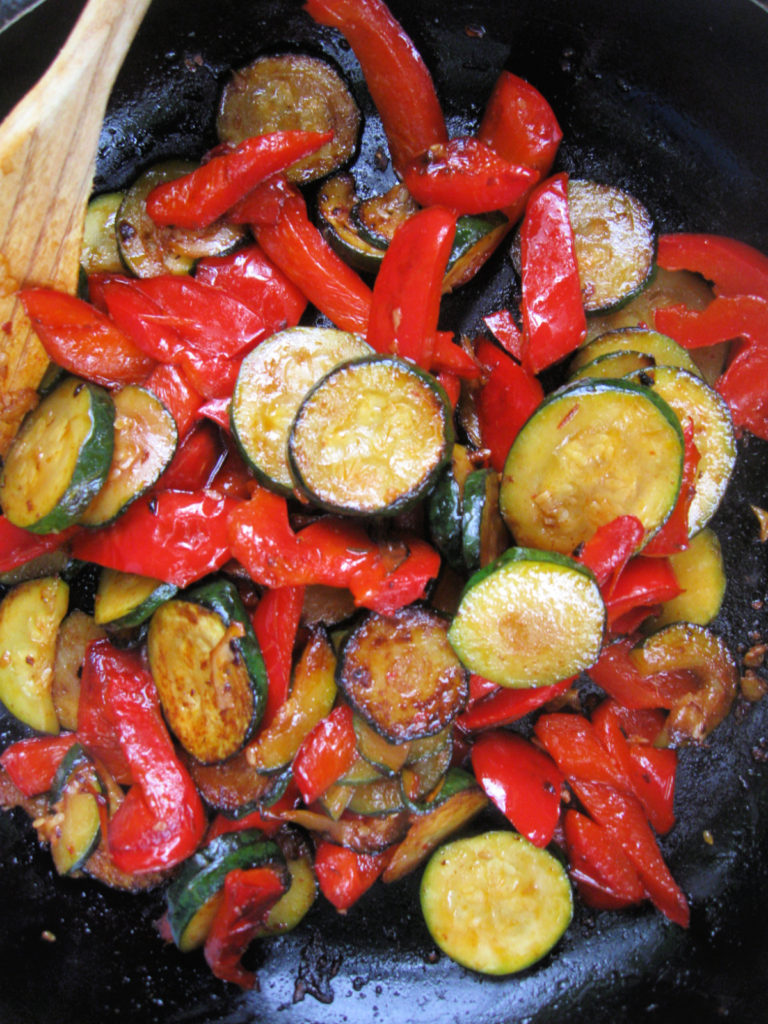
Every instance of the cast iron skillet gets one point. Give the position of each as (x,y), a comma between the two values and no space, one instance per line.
(668,98)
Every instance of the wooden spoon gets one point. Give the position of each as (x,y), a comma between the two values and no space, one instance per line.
(48,149)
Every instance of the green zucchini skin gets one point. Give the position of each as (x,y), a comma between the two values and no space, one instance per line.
(125,600)
(201,878)
(100,252)
(48,495)
(340,447)
(74,799)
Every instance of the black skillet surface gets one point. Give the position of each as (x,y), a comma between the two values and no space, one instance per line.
(668,98)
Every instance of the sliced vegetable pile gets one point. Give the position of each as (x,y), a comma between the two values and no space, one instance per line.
(356,580)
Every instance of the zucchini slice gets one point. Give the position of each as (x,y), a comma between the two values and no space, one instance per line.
(145,438)
(445,507)
(30,616)
(494,902)
(209,672)
(400,673)
(476,239)
(125,599)
(700,571)
(371,437)
(77,796)
(484,535)
(59,459)
(271,384)
(193,896)
(75,633)
(387,758)
(664,350)
(148,249)
(291,909)
(692,399)
(100,253)
(531,618)
(381,797)
(613,365)
(336,203)
(234,786)
(592,451)
(378,217)
(614,240)
(292,92)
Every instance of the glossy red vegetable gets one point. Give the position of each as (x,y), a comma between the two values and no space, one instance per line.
(82,340)
(195,461)
(197,199)
(175,536)
(574,745)
(554,322)
(733,267)
(268,819)
(162,820)
(466,176)
(521,780)
(406,295)
(450,358)
(18,546)
(727,317)
(325,754)
(604,874)
(345,875)
(643,583)
(506,398)
(607,552)
(502,706)
(397,78)
(520,125)
(505,330)
(617,675)
(742,387)
(31,763)
(175,390)
(254,280)
(248,897)
(275,623)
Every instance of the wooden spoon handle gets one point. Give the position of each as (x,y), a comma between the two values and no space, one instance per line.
(48,147)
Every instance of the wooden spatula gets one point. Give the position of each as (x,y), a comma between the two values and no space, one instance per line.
(48,149)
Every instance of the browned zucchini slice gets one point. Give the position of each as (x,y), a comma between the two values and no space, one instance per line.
(401,674)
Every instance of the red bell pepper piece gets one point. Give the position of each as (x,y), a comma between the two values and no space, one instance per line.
(644,582)
(621,814)
(248,897)
(521,780)
(278,216)
(724,319)
(733,267)
(616,674)
(504,329)
(406,294)
(176,536)
(18,545)
(673,536)
(32,763)
(344,875)
(195,461)
(397,78)
(520,125)
(450,383)
(554,321)
(504,706)
(82,340)
(325,754)
(197,199)
(505,400)
(466,176)
(141,317)
(743,388)
(448,357)
(605,876)
(609,549)
(95,728)
(574,745)
(250,277)
(276,623)
(162,820)
(174,389)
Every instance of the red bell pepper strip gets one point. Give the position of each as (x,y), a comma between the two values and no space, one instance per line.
(162,820)
(643,582)
(195,461)
(733,267)
(520,125)
(82,340)
(141,317)
(278,216)
(609,549)
(621,814)
(466,176)
(603,873)
(199,198)
(176,536)
(248,897)
(406,294)
(504,401)
(254,280)
(344,875)
(448,357)
(554,321)
(574,745)
(743,388)
(18,546)
(521,780)
(615,673)
(397,78)
(724,319)
(674,534)
(504,706)
(95,728)
(450,383)
(325,754)
(174,389)
(276,623)
(32,763)
(504,329)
